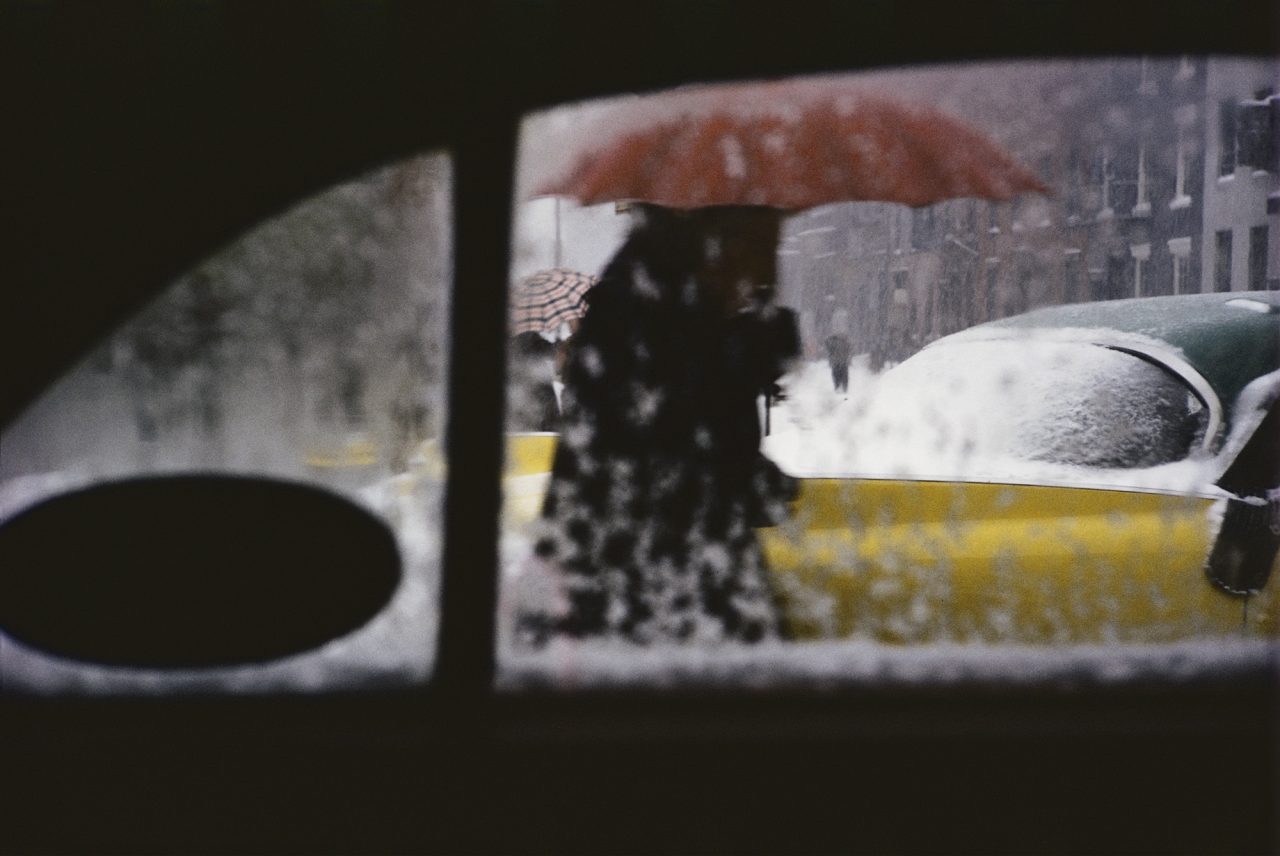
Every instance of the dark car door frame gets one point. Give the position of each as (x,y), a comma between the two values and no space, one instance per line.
(149,134)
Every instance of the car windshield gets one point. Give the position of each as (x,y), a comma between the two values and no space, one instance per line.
(1010,409)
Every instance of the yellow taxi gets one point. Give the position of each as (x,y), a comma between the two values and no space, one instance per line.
(1086,473)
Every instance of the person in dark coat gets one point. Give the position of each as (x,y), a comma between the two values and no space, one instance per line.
(839,352)
(533,405)
(658,478)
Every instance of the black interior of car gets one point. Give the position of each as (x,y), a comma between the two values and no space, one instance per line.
(144,136)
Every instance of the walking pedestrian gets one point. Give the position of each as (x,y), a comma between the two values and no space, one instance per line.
(839,352)
(659,479)
(533,404)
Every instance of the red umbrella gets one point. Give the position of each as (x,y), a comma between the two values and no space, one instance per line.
(778,145)
(541,303)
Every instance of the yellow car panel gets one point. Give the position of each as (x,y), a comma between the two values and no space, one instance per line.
(529,454)
(905,561)
(910,561)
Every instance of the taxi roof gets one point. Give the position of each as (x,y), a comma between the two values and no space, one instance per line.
(1231,338)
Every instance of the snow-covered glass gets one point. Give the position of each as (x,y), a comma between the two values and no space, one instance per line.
(310,350)
(1006,441)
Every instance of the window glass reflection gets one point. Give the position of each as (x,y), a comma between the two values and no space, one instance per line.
(313,349)
(998,445)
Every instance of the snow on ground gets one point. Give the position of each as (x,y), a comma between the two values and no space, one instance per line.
(825,665)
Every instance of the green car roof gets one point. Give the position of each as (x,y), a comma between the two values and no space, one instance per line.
(1228,337)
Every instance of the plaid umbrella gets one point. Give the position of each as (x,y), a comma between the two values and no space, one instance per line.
(541,303)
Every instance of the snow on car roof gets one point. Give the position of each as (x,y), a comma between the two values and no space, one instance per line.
(1222,335)
(981,416)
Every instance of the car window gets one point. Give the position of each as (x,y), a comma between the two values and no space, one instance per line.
(1020,409)
(310,350)
(965,421)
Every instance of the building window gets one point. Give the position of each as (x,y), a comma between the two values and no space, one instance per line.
(1179,273)
(1097,283)
(1142,207)
(963,218)
(1226,137)
(901,294)
(1257,145)
(1023,296)
(1106,174)
(1257,258)
(1118,277)
(1182,166)
(1141,253)
(1071,291)
(1222,261)
(924,227)
(1180,250)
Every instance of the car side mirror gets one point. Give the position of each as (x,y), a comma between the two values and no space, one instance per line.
(192,571)
(1244,554)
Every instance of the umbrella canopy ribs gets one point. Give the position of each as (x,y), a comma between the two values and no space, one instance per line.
(548,299)
(796,155)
